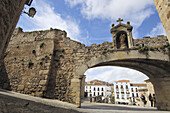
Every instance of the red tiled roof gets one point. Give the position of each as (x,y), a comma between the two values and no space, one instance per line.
(123,81)
(148,80)
(144,85)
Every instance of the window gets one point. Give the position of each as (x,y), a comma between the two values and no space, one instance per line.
(90,87)
(117,96)
(127,96)
(127,90)
(90,91)
(126,86)
(121,86)
(94,89)
(123,97)
(137,95)
(132,89)
(102,89)
(102,93)
(90,95)
(116,86)
(132,94)
(136,90)
(98,93)
(94,94)
(98,89)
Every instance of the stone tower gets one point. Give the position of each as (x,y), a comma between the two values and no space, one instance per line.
(122,35)
(163,8)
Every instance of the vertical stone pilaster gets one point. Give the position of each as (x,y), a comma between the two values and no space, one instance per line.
(82,85)
(163,9)
(162,90)
(76,91)
(130,40)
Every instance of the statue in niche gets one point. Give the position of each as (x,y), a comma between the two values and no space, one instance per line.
(123,43)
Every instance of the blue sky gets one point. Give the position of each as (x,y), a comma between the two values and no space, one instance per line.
(89,21)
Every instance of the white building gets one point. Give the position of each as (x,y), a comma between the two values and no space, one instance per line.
(126,92)
(134,93)
(95,88)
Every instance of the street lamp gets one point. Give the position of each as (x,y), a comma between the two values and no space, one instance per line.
(31,12)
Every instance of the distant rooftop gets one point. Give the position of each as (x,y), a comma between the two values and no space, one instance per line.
(123,81)
(98,82)
(140,85)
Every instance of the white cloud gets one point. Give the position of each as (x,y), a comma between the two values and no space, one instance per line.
(135,11)
(112,74)
(158,30)
(46,18)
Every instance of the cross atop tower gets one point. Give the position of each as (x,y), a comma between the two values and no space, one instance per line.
(119,20)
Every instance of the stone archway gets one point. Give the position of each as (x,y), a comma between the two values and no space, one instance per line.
(157,70)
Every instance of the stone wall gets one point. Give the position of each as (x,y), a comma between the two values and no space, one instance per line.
(9,15)
(44,63)
(163,8)
(28,62)
(158,41)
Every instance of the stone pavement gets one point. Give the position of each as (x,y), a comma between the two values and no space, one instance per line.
(114,108)
(12,102)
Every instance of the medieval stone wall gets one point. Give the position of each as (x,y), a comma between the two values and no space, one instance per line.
(9,15)
(158,41)
(44,63)
(163,8)
(28,60)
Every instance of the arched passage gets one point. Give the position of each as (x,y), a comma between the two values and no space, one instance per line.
(157,69)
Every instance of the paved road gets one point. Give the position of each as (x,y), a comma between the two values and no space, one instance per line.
(12,102)
(112,108)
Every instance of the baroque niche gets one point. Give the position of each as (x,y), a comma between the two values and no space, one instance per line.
(122,35)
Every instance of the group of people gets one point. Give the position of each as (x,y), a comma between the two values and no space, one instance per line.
(152,100)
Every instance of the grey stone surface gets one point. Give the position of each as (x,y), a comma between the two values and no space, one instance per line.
(11,102)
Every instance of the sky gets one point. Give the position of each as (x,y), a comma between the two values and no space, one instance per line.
(89,21)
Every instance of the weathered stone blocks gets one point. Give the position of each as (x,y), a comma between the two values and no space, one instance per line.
(58,65)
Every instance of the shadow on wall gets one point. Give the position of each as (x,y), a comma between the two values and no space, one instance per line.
(4,80)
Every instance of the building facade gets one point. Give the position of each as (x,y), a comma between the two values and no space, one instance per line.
(126,92)
(146,92)
(134,92)
(98,88)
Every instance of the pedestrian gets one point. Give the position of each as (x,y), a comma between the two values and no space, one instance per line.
(151,99)
(143,100)
(154,100)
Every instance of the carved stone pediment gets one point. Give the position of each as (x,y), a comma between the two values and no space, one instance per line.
(122,35)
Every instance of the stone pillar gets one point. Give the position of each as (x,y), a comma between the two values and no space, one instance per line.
(82,85)
(163,9)
(10,13)
(130,40)
(76,91)
(162,91)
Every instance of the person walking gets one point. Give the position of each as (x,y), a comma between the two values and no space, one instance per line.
(154,100)
(143,100)
(151,99)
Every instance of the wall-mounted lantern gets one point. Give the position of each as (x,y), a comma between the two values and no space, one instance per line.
(31,12)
